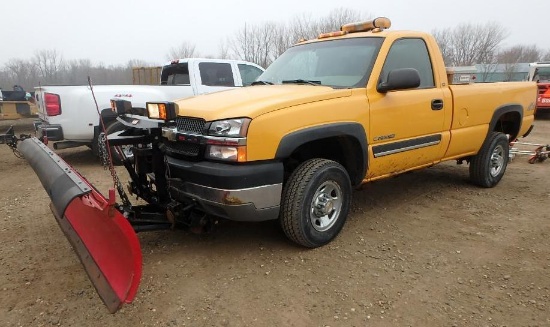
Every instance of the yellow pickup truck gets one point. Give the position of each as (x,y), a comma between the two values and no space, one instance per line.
(328,115)
(332,113)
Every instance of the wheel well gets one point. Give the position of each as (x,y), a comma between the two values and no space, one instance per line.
(508,123)
(107,116)
(345,150)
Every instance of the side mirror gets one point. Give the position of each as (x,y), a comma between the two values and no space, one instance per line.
(400,79)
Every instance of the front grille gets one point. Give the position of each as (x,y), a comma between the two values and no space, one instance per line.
(183,148)
(190,125)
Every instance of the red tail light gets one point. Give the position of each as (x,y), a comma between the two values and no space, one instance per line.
(52,104)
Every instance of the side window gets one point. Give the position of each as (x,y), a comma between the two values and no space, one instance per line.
(175,74)
(410,53)
(216,74)
(249,73)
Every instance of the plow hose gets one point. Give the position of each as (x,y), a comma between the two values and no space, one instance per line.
(103,239)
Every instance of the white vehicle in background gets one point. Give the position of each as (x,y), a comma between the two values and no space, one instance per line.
(68,115)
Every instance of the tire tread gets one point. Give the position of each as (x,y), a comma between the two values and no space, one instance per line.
(293,192)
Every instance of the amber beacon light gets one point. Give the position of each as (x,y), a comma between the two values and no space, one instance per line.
(374,25)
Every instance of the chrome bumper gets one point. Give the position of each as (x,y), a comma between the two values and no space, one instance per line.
(249,204)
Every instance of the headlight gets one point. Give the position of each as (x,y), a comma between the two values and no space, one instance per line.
(229,127)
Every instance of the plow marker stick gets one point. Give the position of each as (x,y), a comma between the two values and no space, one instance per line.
(103,239)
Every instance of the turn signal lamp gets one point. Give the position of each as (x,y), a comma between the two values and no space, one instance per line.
(161,110)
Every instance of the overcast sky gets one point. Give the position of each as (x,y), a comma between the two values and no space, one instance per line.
(115,31)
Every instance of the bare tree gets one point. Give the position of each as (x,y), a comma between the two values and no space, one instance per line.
(338,17)
(254,43)
(470,44)
(49,64)
(137,63)
(77,71)
(21,72)
(263,43)
(184,50)
(303,26)
(511,57)
(444,40)
(546,56)
(224,50)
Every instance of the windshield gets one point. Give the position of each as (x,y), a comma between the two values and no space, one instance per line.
(542,74)
(340,63)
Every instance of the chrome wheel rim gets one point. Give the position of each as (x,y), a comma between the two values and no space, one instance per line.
(127,150)
(497,161)
(325,206)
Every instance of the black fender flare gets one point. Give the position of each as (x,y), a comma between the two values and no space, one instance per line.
(290,142)
(504,109)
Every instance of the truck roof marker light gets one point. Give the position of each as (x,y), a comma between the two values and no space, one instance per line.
(331,34)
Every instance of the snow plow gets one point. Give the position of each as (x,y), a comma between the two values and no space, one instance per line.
(99,233)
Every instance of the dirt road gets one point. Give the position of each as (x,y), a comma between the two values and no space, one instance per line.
(423,249)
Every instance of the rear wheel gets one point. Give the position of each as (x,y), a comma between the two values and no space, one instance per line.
(316,201)
(488,166)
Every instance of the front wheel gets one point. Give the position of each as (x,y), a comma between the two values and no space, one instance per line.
(316,201)
(488,166)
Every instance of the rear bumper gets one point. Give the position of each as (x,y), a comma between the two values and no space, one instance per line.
(52,132)
(234,192)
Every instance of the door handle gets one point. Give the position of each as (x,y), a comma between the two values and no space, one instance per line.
(437,104)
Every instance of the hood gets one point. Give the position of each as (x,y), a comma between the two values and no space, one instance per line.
(253,101)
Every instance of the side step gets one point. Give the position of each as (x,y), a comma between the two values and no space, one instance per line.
(67,144)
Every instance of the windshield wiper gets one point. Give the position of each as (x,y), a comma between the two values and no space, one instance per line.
(261,83)
(301,81)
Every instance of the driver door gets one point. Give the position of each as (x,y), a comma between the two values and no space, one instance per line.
(406,126)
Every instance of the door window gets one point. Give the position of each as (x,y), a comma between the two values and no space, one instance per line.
(249,73)
(216,74)
(410,53)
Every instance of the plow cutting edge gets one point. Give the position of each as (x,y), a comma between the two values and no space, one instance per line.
(101,236)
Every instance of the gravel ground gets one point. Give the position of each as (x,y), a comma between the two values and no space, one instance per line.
(422,249)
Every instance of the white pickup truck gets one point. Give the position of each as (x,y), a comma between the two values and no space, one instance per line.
(68,114)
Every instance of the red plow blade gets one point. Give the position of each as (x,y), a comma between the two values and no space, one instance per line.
(101,236)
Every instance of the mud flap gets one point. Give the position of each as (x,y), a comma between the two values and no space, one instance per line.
(101,236)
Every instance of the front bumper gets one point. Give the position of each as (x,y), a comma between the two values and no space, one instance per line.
(249,192)
(52,132)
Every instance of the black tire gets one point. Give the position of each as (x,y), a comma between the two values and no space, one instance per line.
(117,126)
(316,201)
(489,165)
